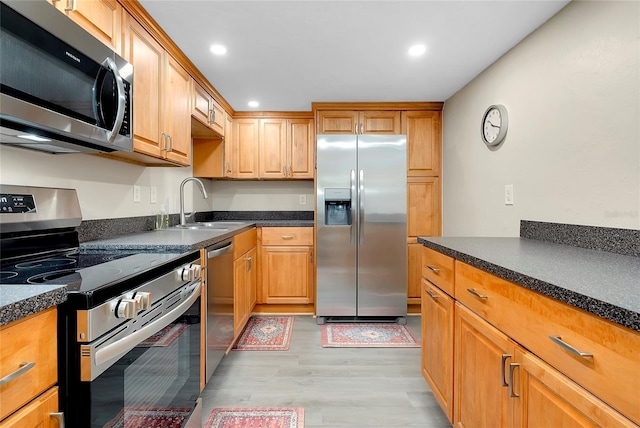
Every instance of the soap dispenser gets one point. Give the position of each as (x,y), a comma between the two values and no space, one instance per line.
(162,219)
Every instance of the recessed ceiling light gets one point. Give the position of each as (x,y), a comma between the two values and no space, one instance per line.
(218,49)
(253,104)
(417,50)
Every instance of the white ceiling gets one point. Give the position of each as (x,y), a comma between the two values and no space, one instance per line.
(287,54)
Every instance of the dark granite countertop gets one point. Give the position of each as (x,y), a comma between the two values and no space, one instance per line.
(180,240)
(18,301)
(602,283)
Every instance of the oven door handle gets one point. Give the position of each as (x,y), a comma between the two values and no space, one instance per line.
(124,345)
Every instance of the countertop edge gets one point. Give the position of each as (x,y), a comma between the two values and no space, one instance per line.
(32,304)
(621,316)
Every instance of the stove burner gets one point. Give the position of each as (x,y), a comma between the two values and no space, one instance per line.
(41,278)
(7,275)
(104,272)
(47,263)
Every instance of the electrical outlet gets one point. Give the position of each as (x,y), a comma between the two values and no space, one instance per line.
(154,195)
(303,199)
(136,193)
(508,194)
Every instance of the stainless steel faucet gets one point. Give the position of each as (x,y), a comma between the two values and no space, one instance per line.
(183,220)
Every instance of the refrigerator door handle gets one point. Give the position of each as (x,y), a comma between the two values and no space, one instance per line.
(361,208)
(353,192)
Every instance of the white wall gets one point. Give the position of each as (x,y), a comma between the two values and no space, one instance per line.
(572,152)
(105,186)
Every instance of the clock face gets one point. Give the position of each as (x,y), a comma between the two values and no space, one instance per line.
(494,125)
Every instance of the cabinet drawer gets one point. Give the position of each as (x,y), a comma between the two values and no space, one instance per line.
(244,242)
(612,373)
(287,236)
(438,269)
(39,413)
(30,340)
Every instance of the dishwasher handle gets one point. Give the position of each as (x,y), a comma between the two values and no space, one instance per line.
(218,251)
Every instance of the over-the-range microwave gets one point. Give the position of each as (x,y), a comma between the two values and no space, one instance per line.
(61,90)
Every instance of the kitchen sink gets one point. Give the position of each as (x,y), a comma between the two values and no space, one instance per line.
(221,226)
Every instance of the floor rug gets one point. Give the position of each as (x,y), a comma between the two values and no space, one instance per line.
(150,418)
(234,417)
(164,337)
(266,333)
(368,335)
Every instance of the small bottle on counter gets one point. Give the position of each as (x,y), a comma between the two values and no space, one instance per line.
(162,219)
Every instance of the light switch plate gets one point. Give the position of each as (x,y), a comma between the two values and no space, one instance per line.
(154,195)
(136,194)
(303,199)
(508,194)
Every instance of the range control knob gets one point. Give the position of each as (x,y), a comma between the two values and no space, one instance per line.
(143,300)
(196,271)
(189,273)
(127,309)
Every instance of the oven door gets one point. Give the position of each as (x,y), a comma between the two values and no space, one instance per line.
(157,380)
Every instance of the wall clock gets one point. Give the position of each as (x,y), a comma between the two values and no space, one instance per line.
(495,123)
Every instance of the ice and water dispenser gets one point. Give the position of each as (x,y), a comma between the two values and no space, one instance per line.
(337,206)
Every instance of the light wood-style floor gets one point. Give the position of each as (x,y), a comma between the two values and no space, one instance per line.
(337,387)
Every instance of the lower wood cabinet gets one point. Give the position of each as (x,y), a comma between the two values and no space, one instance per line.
(244,278)
(28,349)
(507,370)
(287,265)
(437,344)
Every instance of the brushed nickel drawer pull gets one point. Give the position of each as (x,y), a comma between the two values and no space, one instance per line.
(287,237)
(505,357)
(512,367)
(434,269)
(478,295)
(58,416)
(24,367)
(432,294)
(558,341)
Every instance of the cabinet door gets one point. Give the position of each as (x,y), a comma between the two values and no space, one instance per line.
(240,316)
(218,117)
(101,18)
(273,148)
(230,153)
(245,137)
(337,122)
(414,272)
(424,142)
(423,211)
(177,116)
(201,105)
(252,279)
(37,413)
(481,398)
(547,398)
(301,148)
(286,274)
(437,344)
(379,122)
(147,57)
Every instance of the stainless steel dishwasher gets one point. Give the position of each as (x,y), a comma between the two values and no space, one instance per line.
(219,298)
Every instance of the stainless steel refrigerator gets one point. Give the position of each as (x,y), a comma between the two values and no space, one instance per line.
(361,239)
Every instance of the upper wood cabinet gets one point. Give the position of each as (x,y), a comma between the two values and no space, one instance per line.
(161,107)
(358,122)
(207,111)
(245,150)
(424,142)
(101,18)
(286,148)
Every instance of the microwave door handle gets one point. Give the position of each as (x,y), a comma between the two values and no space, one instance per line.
(117,124)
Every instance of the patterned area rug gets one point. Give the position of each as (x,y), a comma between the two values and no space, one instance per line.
(263,333)
(368,335)
(164,337)
(133,417)
(234,417)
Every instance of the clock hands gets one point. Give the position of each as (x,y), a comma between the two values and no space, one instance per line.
(495,126)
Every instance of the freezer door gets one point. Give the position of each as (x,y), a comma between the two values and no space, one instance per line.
(335,241)
(382,226)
